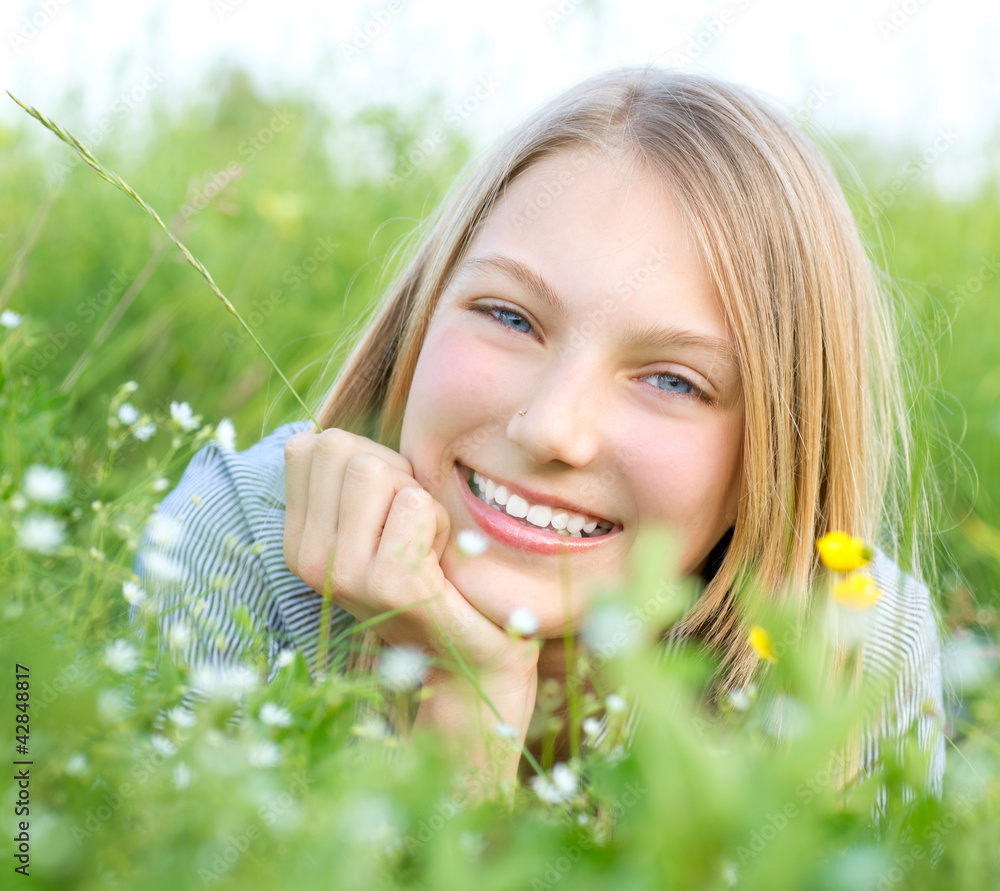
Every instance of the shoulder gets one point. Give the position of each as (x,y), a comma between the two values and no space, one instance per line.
(219,500)
(903,634)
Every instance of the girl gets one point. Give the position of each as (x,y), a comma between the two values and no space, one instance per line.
(648,307)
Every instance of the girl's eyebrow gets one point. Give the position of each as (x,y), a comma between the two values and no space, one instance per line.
(643,335)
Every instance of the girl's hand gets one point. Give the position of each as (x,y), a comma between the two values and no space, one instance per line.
(362,531)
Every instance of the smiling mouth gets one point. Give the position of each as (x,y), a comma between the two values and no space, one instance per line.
(557,521)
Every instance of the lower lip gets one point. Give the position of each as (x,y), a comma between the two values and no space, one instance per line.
(509,531)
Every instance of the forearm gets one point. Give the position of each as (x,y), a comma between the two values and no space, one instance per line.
(467,725)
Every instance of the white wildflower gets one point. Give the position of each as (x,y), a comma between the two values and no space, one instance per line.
(183,417)
(163,530)
(128,414)
(372,727)
(41,533)
(225,433)
(547,791)
(121,656)
(182,776)
(76,764)
(615,704)
(179,636)
(133,593)
(224,683)
(161,566)
(609,629)
(264,754)
(144,430)
(274,715)
(45,485)
(285,658)
(130,386)
(163,745)
(471,843)
(471,542)
(739,700)
(564,779)
(10,319)
(504,730)
(591,727)
(161,484)
(522,621)
(111,707)
(181,716)
(403,668)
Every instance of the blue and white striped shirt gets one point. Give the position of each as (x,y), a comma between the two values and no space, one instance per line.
(215,544)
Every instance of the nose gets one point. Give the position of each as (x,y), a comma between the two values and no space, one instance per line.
(560,420)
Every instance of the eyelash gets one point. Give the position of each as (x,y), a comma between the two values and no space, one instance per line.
(491,308)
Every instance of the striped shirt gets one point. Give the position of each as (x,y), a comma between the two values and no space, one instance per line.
(212,561)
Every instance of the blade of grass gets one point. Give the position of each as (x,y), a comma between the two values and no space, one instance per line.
(115,180)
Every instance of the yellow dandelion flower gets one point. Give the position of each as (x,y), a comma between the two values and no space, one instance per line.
(762,644)
(842,552)
(857,592)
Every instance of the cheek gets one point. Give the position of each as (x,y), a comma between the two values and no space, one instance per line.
(684,477)
(454,388)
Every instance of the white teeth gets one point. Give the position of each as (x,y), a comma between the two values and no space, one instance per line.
(517,507)
(540,515)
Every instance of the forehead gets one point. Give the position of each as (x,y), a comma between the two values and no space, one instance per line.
(598,232)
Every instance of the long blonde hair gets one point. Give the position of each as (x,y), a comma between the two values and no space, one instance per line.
(826,446)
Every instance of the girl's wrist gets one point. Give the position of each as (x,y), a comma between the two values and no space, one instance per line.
(486,741)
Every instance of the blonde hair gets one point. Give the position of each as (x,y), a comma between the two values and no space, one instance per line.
(826,443)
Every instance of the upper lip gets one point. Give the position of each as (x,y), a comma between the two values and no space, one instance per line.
(535,497)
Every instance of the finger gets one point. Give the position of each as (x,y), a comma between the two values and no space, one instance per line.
(298,460)
(406,569)
(370,485)
(334,449)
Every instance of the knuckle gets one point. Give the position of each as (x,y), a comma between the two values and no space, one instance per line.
(365,464)
(334,439)
(298,444)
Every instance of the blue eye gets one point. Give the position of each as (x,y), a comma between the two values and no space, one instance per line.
(675,384)
(497,311)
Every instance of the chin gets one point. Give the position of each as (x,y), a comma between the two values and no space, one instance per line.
(496,591)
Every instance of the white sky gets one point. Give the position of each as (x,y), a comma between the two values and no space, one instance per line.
(900,70)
